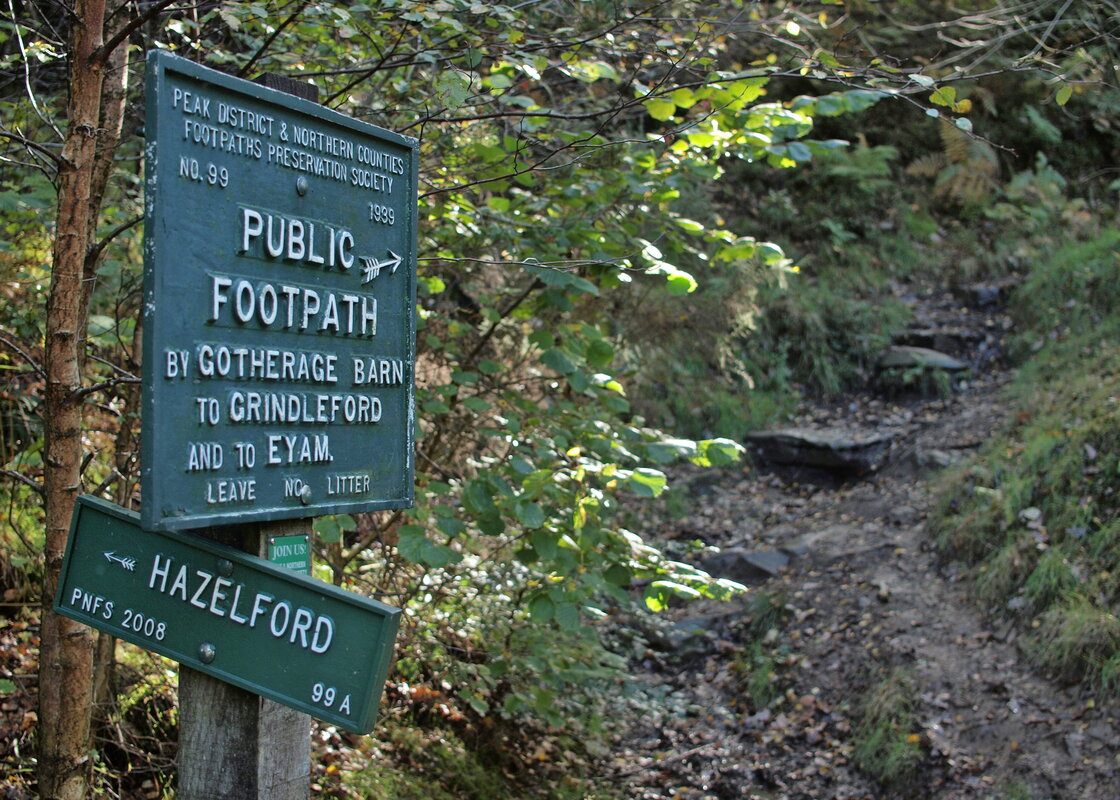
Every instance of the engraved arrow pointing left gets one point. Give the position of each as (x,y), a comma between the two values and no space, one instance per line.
(128,562)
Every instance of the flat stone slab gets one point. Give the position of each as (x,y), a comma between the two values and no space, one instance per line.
(746,566)
(841,449)
(902,356)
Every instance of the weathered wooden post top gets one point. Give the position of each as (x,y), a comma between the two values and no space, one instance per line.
(279,330)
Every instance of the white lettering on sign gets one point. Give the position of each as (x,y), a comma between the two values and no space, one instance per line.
(93,604)
(287,307)
(204,456)
(190,102)
(177,361)
(272,329)
(272,407)
(299,449)
(294,239)
(231,490)
(265,364)
(236,130)
(223,597)
(380,371)
(355,483)
(324,695)
(324,142)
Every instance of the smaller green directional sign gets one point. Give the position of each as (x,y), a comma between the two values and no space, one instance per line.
(263,627)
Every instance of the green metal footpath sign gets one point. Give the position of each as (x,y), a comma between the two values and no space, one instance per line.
(293,639)
(279,322)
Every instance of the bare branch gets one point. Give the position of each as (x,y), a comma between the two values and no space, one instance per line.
(272,38)
(85,391)
(96,250)
(31,483)
(30,145)
(101,54)
(35,365)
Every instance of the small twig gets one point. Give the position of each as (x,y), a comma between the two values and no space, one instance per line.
(85,391)
(30,145)
(96,250)
(272,37)
(124,372)
(31,483)
(663,761)
(114,476)
(24,354)
(102,53)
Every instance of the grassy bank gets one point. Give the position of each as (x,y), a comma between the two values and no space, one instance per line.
(1037,515)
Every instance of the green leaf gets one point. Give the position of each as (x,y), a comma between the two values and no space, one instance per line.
(414,546)
(478,498)
(799,152)
(661,109)
(1063,95)
(669,450)
(452,88)
(719,452)
(451,527)
(530,515)
(681,283)
(6,686)
(922,80)
(618,575)
(647,482)
(477,404)
(600,353)
(567,616)
(558,361)
(944,96)
(541,608)
(480,706)
(100,324)
(684,98)
(679,589)
(964,123)
(328,529)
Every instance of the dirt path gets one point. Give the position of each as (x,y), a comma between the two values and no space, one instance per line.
(768,694)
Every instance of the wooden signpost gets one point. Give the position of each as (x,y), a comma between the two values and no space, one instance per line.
(279,330)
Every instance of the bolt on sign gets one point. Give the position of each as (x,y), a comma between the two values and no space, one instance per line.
(279,322)
(272,631)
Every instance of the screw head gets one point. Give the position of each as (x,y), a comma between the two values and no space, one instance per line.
(207,652)
(305,494)
(225,567)
(301,186)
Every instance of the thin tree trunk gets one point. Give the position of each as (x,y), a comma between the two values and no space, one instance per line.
(66,647)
